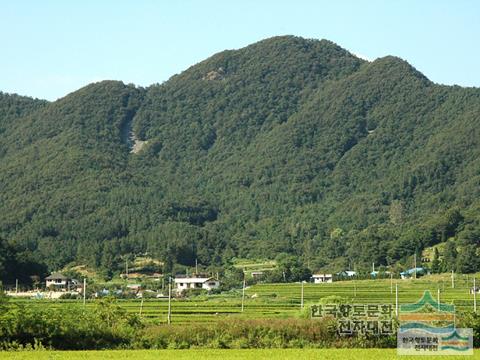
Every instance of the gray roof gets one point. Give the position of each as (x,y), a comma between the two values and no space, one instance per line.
(57,276)
(192,279)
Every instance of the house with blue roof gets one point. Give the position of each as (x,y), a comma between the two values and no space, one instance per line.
(411,272)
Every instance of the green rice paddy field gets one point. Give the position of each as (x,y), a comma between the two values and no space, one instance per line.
(283,300)
(200,354)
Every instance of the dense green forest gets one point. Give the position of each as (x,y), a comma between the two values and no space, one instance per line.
(288,146)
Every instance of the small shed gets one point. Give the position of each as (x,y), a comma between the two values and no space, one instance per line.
(475,289)
(322,278)
(347,273)
(257,274)
(411,272)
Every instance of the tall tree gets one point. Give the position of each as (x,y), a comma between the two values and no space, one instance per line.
(436,266)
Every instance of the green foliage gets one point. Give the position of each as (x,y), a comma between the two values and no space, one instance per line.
(251,153)
(289,268)
(450,257)
(472,320)
(256,334)
(435,268)
(68,328)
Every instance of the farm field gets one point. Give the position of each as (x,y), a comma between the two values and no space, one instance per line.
(374,291)
(284,300)
(255,354)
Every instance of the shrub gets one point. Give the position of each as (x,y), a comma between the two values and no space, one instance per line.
(265,333)
(71,327)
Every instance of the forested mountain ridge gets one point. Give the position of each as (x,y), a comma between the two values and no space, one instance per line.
(286,146)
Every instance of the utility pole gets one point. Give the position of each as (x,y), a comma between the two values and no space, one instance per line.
(438,299)
(391,283)
(415,265)
(453,281)
(373,267)
(196,267)
(243,292)
(84,291)
(16,286)
(474,295)
(169,315)
(301,301)
(396,299)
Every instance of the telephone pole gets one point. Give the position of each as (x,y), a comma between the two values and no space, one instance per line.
(84,291)
(438,299)
(396,300)
(415,265)
(391,283)
(243,292)
(301,301)
(474,296)
(169,315)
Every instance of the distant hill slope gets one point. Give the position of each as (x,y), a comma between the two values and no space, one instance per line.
(13,107)
(286,146)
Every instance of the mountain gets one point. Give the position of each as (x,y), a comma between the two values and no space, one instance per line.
(285,146)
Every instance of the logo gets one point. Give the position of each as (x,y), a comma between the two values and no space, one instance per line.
(427,327)
(352,319)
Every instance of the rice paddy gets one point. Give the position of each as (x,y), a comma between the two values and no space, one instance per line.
(236,354)
(284,300)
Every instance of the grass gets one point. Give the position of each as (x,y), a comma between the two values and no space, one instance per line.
(375,291)
(199,354)
(283,300)
(249,266)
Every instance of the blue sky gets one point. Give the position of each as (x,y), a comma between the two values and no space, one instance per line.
(50,48)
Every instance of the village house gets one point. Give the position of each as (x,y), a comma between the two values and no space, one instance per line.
(413,272)
(186,282)
(322,278)
(475,289)
(257,274)
(347,273)
(139,275)
(60,282)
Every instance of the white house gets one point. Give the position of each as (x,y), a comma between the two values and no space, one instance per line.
(58,281)
(206,283)
(322,278)
(347,273)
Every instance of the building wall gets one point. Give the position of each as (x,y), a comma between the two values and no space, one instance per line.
(207,285)
(61,283)
(210,285)
(318,280)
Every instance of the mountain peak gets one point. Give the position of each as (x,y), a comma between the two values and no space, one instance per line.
(251,153)
(395,64)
